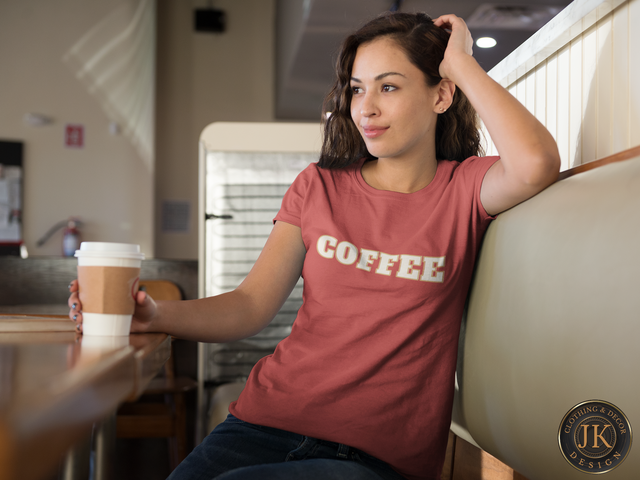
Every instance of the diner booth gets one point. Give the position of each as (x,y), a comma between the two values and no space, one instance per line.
(550,331)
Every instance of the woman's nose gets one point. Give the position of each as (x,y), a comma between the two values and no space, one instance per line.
(368,107)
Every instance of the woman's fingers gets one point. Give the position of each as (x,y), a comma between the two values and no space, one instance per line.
(76,316)
(75,307)
(460,42)
(146,308)
(447,21)
(444,21)
(141,296)
(456,26)
(74,302)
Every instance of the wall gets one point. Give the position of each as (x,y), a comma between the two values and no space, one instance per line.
(205,78)
(580,76)
(201,78)
(106,183)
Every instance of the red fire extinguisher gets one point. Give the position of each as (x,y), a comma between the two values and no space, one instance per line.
(70,238)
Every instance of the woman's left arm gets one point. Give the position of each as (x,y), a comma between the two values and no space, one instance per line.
(529,159)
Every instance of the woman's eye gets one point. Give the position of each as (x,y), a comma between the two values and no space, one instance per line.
(355,89)
(388,88)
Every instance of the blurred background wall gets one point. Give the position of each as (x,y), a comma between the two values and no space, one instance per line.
(130,177)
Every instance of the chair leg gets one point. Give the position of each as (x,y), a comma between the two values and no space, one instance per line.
(181,426)
(174,460)
(178,444)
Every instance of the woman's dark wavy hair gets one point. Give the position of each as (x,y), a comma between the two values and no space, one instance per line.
(457,130)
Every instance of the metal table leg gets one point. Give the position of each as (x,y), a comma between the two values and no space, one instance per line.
(77,461)
(104,448)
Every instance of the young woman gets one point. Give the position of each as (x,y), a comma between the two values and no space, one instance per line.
(385,229)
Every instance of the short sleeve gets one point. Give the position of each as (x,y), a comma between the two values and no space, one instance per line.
(293,200)
(470,173)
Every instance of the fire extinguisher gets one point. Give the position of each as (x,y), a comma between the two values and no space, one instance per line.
(70,239)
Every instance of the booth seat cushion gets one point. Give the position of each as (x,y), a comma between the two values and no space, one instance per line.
(554,320)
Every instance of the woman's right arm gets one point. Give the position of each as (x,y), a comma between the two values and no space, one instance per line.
(230,316)
(529,159)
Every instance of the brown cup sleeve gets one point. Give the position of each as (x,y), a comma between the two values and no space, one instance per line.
(108,289)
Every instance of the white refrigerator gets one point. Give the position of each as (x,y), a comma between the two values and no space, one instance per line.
(245,169)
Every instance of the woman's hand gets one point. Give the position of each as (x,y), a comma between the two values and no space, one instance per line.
(460,42)
(143,315)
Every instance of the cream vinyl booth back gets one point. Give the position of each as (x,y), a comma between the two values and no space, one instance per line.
(553,320)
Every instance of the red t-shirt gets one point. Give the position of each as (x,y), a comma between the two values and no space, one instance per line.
(371,357)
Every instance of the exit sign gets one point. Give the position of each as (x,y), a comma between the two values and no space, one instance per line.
(74,136)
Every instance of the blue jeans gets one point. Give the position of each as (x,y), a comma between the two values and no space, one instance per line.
(237,450)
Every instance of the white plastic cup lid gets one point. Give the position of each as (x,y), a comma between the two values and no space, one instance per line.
(110,249)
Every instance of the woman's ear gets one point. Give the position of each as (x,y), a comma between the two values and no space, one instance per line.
(445,90)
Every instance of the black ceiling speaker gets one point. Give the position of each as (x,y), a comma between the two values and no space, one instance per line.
(210,20)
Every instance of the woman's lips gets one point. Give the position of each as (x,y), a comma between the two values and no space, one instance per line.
(373,132)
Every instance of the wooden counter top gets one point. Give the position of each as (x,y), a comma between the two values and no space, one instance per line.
(55,385)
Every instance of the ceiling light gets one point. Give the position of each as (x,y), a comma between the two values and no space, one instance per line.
(486,42)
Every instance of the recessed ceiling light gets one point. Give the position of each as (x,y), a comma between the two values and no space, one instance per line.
(486,42)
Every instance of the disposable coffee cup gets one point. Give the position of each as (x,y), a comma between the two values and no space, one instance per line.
(108,279)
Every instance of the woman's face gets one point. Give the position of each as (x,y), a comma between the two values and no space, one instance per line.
(392,105)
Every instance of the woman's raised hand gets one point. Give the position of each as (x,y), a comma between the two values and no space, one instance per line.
(460,42)
(144,313)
